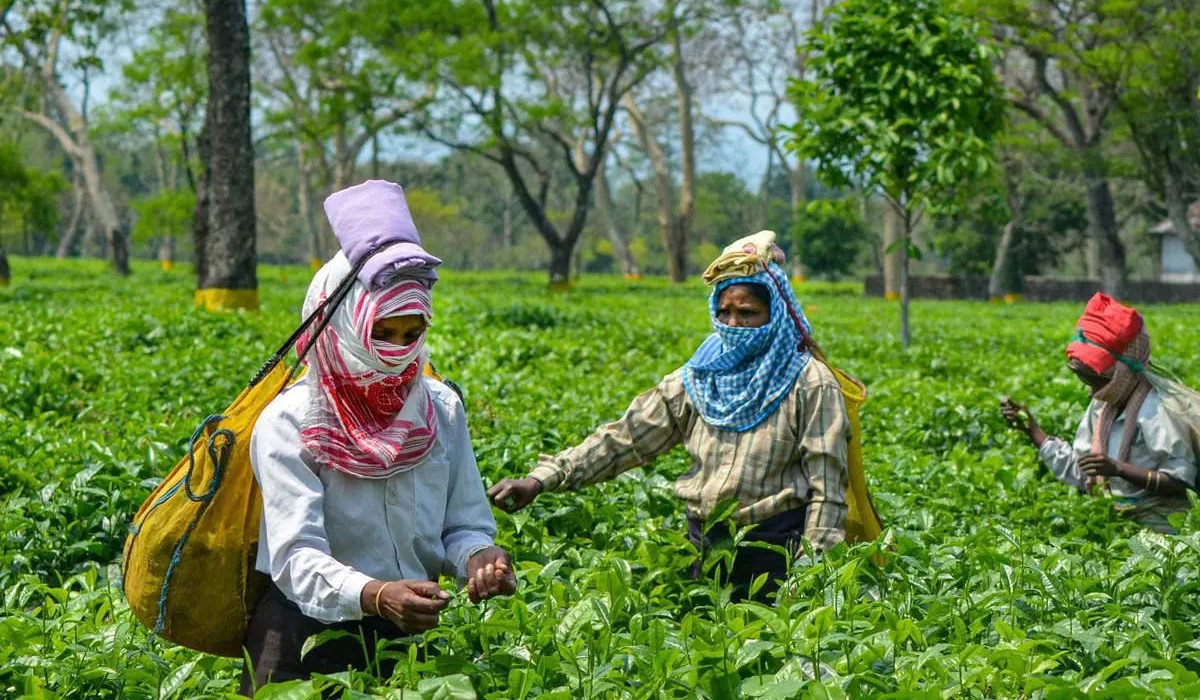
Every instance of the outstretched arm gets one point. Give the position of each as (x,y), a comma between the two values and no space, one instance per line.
(653,424)
(1018,417)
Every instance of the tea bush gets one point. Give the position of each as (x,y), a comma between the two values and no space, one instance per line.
(998,581)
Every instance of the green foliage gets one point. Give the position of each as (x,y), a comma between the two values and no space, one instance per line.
(533,87)
(165,85)
(28,198)
(1053,224)
(1157,101)
(902,99)
(999,582)
(168,213)
(334,87)
(828,237)
(723,207)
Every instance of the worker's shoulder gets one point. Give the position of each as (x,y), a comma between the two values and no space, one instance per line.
(817,374)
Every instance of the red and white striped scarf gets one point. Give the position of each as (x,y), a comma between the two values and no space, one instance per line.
(372,415)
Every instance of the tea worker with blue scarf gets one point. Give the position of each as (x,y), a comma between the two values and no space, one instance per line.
(760,414)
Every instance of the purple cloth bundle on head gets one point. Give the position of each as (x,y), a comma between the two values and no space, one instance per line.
(373,214)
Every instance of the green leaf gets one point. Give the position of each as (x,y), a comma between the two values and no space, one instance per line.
(454,687)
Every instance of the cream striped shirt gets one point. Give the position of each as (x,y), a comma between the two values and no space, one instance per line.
(795,458)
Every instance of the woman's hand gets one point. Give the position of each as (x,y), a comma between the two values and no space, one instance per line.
(1097,469)
(490,574)
(1017,415)
(511,495)
(412,605)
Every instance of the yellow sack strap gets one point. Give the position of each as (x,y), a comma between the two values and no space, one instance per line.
(863,523)
(189,559)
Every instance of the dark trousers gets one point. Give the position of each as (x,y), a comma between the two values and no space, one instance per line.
(277,633)
(784,529)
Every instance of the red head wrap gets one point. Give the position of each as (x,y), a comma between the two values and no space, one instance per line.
(1106,327)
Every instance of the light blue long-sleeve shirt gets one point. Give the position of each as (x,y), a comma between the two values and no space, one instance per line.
(1159,445)
(326,534)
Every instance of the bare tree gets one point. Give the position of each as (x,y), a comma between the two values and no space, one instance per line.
(1000,283)
(765,40)
(536,92)
(70,236)
(1052,80)
(38,43)
(608,222)
(692,56)
(330,95)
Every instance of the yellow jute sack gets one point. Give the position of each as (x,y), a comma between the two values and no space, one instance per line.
(189,559)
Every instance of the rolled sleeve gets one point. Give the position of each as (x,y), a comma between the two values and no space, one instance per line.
(1060,458)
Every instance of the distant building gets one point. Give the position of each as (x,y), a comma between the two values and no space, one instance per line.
(1174,263)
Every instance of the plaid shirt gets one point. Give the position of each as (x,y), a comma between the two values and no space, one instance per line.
(795,458)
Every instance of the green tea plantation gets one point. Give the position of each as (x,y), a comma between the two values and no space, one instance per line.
(996,582)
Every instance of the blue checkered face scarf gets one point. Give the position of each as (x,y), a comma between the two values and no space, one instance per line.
(739,376)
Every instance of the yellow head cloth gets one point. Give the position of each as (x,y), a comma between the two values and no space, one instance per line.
(745,257)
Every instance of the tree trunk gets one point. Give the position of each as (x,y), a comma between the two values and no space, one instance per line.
(686,213)
(905,331)
(1177,211)
(93,245)
(304,195)
(560,267)
(200,213)
(72,135)
(343,161)
(5,270)
(1102,228)
(70,237)
(797,181)
(667,220)
(166,253)
(118,251)
(604,213)
(894,254)
(1002,283)
(105,215)
(764,202)
(506,227)
(796,184)
(230,279)
(561,246)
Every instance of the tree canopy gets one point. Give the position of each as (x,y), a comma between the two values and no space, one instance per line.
(902,100)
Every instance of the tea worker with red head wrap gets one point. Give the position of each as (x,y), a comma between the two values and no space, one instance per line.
(1138,436)
(369,483)
(760,414)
